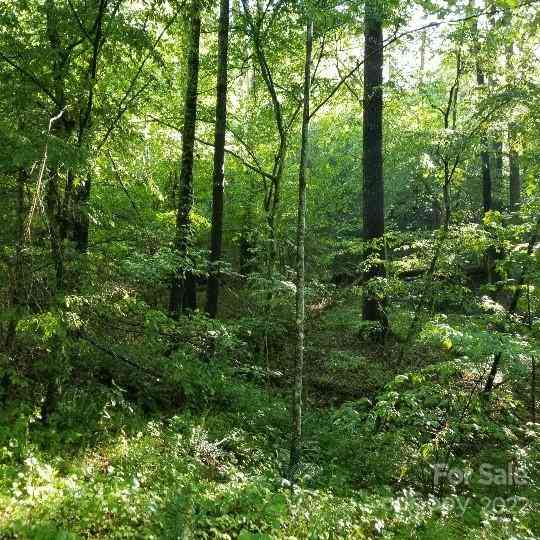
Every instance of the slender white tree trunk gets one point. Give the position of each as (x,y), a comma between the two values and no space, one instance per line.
(296,439)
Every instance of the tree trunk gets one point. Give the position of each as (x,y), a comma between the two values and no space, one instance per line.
(219,161)
(372,163)
(515,176)
(296,439)
(513,156)
(80,222)
(183,284)
(487,198)
(273,192)
(436,212)
(80,216)
(487,188)
(496,173)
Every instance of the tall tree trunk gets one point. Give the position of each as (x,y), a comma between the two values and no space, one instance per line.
(372,163)
(513,156)
(81,223)
(515,175)
(487,188)
(487,191)
(497,171)
(183,284)
(219,161)
(296,439)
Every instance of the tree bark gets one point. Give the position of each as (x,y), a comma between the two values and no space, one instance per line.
(182,288)
(372,163)
(513,156)
(219,161)
(80,221)
(487,198)
(515,175)
(487,188)
(296,439)
(497,172)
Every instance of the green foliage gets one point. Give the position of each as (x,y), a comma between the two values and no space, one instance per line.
(118,421)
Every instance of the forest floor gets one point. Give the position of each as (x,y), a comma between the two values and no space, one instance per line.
(375,430)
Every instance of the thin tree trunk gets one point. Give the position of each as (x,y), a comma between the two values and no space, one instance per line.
(296,439)
(372,163)
(533,389)
(182,287)
(273,194)
(487,198)
(219,161)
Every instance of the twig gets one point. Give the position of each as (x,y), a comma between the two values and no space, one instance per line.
(39,183)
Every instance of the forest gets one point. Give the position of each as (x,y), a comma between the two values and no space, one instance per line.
(269,269)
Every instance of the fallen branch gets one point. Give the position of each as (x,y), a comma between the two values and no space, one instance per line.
(117,355)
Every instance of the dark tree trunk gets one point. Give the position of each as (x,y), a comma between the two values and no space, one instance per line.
(487,199)
(487,188)
(80,216)
(183,283)
(372,163)
(436,212)
(219,161)
(496,173)
(80,221)
(515,176)
(296,439)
